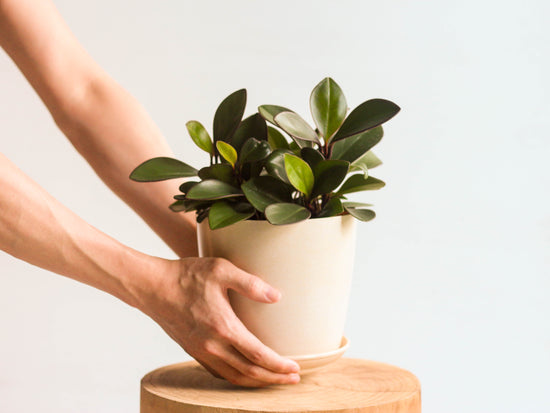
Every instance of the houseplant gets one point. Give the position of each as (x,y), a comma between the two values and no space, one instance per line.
(273,169)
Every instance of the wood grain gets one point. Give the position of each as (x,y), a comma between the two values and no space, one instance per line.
(347,385)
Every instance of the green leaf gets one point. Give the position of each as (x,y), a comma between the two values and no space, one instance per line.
(366,116)
(356,183)
(361,214)
(223,214)
(228,115)
(200,136)
(222,172)
(262,191)
(332,208)
(276,139)
(252,127)
(311,156)
(329,174)
(254,150)
(268,112)
(328,107)
(213,189)
(275,164)
(177,206)
(295,148)
(187,205)
(355,204)
(286,213)
(295,126)
(299,174)
(354,147)
(186,186)
(160,169)
(227,151)
(368,161)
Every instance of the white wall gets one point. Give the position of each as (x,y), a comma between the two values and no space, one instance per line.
(452,278)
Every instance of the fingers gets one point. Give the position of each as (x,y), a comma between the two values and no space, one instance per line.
(259,354)
(236,369)
(251,286)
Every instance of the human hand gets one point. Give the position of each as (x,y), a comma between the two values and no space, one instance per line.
(190,302)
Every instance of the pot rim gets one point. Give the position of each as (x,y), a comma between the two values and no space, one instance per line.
(252,222)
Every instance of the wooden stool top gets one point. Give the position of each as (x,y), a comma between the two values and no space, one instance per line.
(347,385)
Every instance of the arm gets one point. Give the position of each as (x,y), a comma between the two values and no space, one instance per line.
(104,123)
(187,298)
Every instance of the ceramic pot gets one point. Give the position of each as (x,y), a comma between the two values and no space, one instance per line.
(310,262)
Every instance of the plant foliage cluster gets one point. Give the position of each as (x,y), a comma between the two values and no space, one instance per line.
(273,165)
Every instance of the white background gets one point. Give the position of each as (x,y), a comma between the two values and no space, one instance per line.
(452,278)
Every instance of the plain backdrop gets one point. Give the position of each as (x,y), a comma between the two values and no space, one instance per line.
(452,278)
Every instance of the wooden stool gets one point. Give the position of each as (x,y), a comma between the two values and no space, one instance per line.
(347,385)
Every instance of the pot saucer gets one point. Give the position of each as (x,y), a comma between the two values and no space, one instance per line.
(314,362)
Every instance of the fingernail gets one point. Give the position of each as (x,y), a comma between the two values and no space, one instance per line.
(273,295)
(294,367)
(294,378)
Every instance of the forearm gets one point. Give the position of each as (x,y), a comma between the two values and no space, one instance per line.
(38,229)
(104,123)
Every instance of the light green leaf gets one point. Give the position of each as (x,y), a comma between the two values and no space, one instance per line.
(286,213)
(356,183)
(296,127)
(223,214)
(160,169)
(268,112)
(328,107)
(299,174)
(262,191)
(213,189)
(351,204)
(366,116)
(227,151)
(200,136)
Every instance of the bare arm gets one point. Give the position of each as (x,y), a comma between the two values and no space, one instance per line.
(187,298)
(105,124)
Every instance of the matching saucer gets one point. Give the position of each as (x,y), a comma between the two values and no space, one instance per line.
(315,362)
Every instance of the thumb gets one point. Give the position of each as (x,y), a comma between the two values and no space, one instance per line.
(252,287)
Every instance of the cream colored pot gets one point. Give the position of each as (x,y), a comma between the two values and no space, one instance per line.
(310,262)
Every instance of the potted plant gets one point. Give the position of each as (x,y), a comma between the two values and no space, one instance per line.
(273,200)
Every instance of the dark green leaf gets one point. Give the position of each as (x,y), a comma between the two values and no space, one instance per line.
(160,169)
(329,175)
(332,208)
(296,127)
(178,206)
(356,183)
(286,213)
(228,115)
(202,214)
(186,186)
(223,214)
(252,127)
(254,150)
(221,172)
(262,191)
(311,156)
(268,112)
(354,147)
(213,189)
(295,148)
(328,107)
(200,136)
(361,214)
(188,204)
(276,139)
(227,151)
(275,164)
(366,116)
(299,174)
